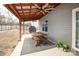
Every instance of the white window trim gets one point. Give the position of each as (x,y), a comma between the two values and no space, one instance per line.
(74,28)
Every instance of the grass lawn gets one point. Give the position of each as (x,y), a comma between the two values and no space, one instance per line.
(8,41)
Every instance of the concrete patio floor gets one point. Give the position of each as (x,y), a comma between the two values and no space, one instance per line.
(29,50)
(51,52)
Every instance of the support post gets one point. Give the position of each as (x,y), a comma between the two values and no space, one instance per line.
(23,27)
(20,30)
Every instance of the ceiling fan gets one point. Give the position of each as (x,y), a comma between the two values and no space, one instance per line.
(46,8)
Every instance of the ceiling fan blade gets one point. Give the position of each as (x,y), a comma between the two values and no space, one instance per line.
(38,13)
(35,10)
(50,9)
(45,6)
(43,13)
(36,6)
(46,11)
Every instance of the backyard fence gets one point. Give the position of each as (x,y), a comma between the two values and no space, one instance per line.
(8,27)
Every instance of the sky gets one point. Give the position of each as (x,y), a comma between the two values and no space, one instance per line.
(6,12)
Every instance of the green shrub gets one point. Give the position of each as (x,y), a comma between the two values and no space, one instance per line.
(63,45)
(66,47)
(60,44)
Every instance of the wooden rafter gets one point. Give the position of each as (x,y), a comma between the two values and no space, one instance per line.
(15,11)
(14,5)
(28,10)
(22,10)
(9,7)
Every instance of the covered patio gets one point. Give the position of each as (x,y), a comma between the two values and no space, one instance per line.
(30,11)
(37,11)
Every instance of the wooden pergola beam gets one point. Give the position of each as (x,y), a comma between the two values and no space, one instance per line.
(25,4)
(8,7)
(13,8)
(22,9)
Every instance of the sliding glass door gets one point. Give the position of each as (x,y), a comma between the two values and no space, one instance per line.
(75,29)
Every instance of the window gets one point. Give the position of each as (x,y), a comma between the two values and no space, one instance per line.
(45,26)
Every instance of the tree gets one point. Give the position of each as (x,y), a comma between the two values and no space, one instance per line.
(1,20)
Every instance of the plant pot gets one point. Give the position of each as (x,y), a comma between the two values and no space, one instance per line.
(65,50)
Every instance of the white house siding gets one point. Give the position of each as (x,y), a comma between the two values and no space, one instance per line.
(60,22)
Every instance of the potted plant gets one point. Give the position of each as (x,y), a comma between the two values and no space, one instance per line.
(66,47)
(63,46)
(59,44)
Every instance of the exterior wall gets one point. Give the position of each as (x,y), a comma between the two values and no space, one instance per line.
(60,23)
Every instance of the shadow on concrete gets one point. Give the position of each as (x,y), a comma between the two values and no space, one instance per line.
(29,47)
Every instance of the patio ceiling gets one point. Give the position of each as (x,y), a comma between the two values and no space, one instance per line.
(31,11)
